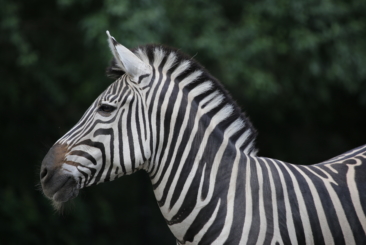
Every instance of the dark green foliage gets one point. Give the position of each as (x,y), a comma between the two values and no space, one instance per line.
(298,68)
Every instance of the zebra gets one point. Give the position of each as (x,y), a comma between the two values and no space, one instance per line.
(167,115)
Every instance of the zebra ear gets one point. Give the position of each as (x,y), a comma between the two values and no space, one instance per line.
(127,60)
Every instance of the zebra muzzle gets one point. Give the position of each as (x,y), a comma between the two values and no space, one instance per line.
(57,184)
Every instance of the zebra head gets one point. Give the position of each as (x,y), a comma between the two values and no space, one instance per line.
(90,152)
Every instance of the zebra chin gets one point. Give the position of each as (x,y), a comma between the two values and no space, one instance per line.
(65,193)
(63,189)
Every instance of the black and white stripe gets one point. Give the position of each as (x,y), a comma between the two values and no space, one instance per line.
(180,125)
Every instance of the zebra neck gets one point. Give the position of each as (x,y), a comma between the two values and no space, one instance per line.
(191,155)
(194,183)
(185,102)
(186,131)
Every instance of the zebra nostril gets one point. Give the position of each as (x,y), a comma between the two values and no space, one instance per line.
(44,173)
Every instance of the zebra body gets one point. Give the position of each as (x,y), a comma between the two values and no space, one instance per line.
(282,203)
(166,115)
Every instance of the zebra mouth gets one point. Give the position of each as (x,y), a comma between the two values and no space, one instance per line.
(66,193)
(61,190)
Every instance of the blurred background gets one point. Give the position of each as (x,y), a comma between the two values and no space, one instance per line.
(298,69)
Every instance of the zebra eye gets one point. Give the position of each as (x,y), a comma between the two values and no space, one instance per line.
(107,108)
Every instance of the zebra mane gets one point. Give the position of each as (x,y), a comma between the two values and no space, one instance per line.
(246,133)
